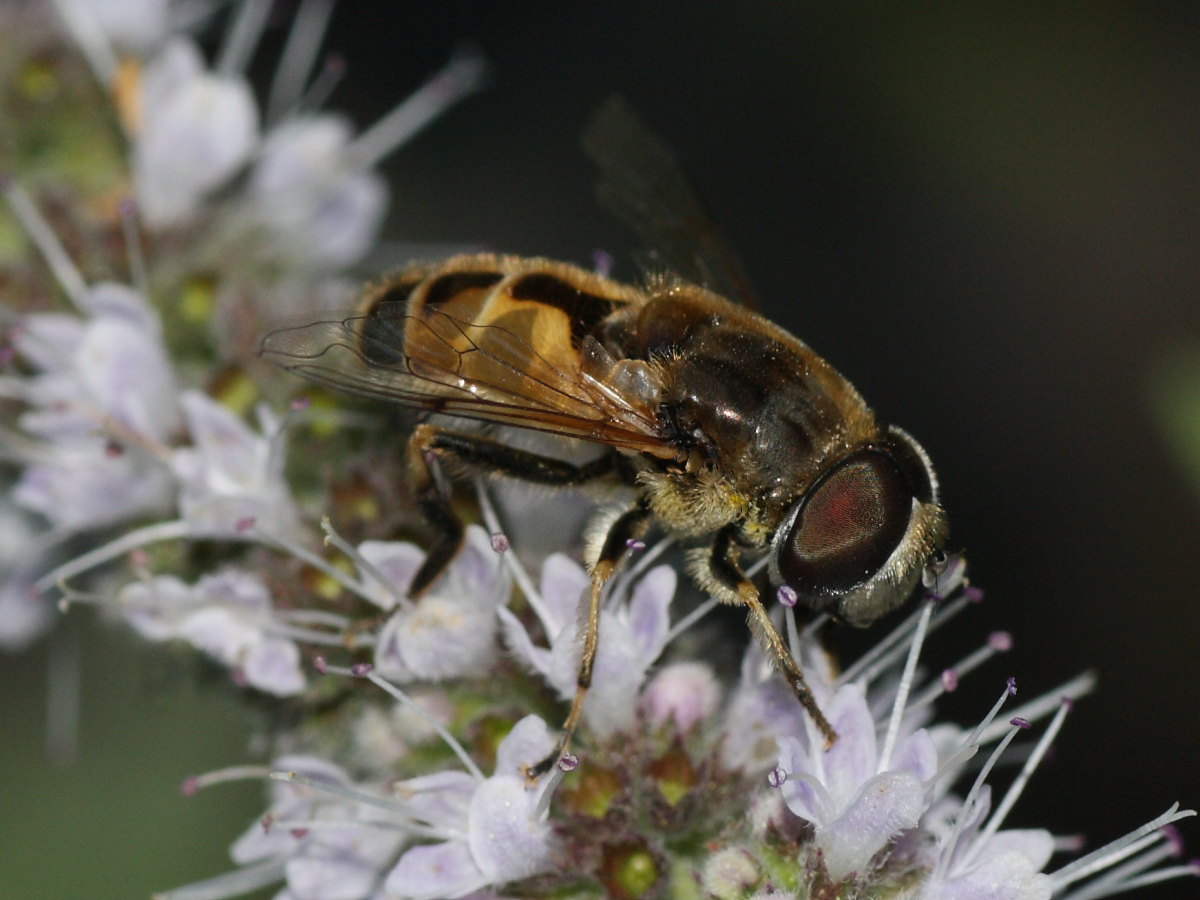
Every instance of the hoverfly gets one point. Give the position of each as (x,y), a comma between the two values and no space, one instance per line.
(722,425)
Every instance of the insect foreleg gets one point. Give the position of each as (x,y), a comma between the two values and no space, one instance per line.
(726,573)
(482,455)
(628,526)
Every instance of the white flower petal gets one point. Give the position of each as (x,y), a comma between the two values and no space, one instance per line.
(397,561)
(539,659)
(81,486)
(563,583)
(1035,844)
(197,130)
(48,340)
(441,799)
(529,741)
(434,872)
(916,754)
(273,665)
(887,804)
(341,864)
(437,638)
(508,839)
(1008,876)
(156,607)
(120,301)
(219,633)
(853,757)
(235,588)
(649,621)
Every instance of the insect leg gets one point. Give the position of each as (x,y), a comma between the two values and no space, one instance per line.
(629,526)
(475,453)
(725,571)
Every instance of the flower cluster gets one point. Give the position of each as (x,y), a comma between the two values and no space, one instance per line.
(155,470)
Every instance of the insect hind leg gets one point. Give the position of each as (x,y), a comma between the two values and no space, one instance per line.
(628,526)
(480,455)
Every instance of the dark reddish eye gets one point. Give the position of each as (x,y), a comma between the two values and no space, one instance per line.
(847,526)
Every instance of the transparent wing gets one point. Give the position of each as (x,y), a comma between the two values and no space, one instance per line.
(433,361)
(642,183)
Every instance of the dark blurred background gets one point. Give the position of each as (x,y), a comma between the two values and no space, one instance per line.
(986,215)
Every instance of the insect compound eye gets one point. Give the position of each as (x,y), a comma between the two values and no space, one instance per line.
(847,526)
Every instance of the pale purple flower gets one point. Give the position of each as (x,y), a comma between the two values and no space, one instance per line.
(80,486)
(634,626)
(99,406)
(855,806)
(108,364)
(451,631)
(230,476)
(228,615)
(318,207)
(500,826)
(197,130)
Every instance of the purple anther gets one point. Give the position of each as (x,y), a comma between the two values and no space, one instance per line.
(568,762)
(776,777)
(1174,838)
(973,594)
(241,526)
(1012,686)
(949,680)
(299,404)
(361,670)
(500,542)
(189,786)
(1000,641)
(786,595)
(320,665)
(635,545)
(1020,723)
